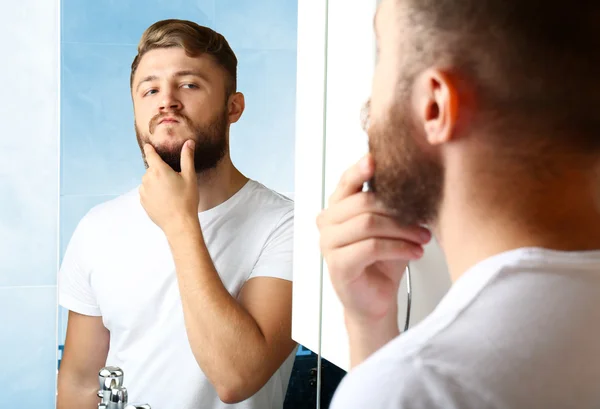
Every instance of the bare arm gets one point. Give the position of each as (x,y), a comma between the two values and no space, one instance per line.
(239,344)
(86,349)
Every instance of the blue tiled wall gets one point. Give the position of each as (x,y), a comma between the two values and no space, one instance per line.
(100,157)
(29,183)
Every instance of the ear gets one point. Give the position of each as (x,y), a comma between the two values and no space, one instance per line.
(236,105)
(436,99)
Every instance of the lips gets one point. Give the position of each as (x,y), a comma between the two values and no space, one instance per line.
(168,121)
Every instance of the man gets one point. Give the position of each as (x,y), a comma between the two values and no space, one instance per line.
(484,129)
(184,283)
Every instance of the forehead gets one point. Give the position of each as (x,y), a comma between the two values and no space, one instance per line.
(386,14)
(164,62)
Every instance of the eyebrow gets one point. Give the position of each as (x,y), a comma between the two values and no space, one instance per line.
(183,73)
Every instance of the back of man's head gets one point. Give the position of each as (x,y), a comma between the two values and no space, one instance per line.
(533,66)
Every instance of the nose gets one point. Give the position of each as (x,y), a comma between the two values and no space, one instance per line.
(170,102)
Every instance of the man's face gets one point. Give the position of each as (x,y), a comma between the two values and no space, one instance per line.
(408,178)
(176,98)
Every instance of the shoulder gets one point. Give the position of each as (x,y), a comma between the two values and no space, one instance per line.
(268,197)
(405,384)
(264,202)
(116,211)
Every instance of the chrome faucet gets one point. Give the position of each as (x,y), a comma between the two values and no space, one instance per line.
(112,393)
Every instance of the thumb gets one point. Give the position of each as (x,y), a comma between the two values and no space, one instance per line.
(188,169)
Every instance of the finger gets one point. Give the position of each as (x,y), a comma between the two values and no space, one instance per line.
(353,179)
(188,169)
(350,261)
(370,225)
(352,206)
(152,158)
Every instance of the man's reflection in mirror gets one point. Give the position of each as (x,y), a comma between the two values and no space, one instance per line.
(185,281)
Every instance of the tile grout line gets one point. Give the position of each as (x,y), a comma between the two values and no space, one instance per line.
(68,195)
(59,196)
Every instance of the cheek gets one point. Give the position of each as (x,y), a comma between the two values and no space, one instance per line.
(384,90)
(142,119)
(143,110)
(202,108)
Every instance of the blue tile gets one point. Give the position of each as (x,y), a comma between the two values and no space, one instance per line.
(262,142)
(124,21)
(29,157)
(99,152)
(258,24)
(28,347)
(29,209)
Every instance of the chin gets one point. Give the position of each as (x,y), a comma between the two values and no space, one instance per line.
(169,139)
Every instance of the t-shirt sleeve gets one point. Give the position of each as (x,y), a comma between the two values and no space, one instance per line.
(276,258)
(74,287)
(409,384)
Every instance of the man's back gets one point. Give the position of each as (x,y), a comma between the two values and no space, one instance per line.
(119,266)
(519,330)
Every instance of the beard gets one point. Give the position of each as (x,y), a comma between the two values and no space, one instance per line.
(407,180)
(210,139)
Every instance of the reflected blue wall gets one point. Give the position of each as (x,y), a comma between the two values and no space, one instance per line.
(51,176)
(100,158)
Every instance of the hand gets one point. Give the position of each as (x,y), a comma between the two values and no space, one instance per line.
(366,250)
(170,198)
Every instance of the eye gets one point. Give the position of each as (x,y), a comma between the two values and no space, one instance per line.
(191,86)
(150,92)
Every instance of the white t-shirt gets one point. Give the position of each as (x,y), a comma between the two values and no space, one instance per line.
(520,330)
(118,265)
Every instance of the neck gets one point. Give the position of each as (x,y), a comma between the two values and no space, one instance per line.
(219,184)
(484,215)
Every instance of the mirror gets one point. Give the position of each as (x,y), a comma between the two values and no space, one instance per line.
(101,168)
(337,140)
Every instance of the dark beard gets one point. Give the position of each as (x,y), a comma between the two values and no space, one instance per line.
(407,180)
(211,143)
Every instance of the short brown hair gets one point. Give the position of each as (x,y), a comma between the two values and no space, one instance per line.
(534,64)
(195,39)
